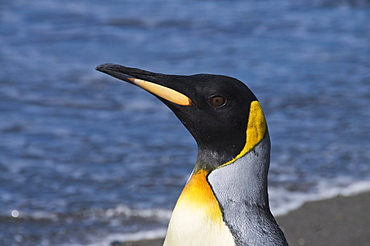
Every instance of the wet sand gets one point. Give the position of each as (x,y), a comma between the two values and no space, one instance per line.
(342,221)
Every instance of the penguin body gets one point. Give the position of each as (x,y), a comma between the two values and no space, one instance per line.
(225,201)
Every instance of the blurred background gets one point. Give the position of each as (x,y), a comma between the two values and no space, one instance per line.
(86,160)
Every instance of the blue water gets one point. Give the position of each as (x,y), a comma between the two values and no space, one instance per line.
(86,160)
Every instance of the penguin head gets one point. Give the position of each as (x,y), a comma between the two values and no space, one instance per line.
(221,113)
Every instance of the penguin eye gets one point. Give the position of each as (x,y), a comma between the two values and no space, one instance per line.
(217,101)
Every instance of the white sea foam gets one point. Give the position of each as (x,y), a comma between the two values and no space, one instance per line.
(124,237)
(36,215)
(283,201)
(162,214)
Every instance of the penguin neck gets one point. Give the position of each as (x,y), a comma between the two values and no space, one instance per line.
(245,179)
(209,160)
(241,190)
(227,204)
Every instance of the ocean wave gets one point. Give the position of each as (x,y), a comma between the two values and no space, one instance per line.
(94,214)
(162,214)
(340,3)
(282,201)
(126,237)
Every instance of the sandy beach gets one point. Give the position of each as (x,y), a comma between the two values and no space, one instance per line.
(341,221)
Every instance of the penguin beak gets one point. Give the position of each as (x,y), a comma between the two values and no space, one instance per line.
(142,79)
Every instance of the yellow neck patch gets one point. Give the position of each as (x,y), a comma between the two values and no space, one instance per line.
(198,194)
(197,217)
(256,130)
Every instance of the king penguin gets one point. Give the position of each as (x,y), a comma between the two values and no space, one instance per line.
(225,201)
